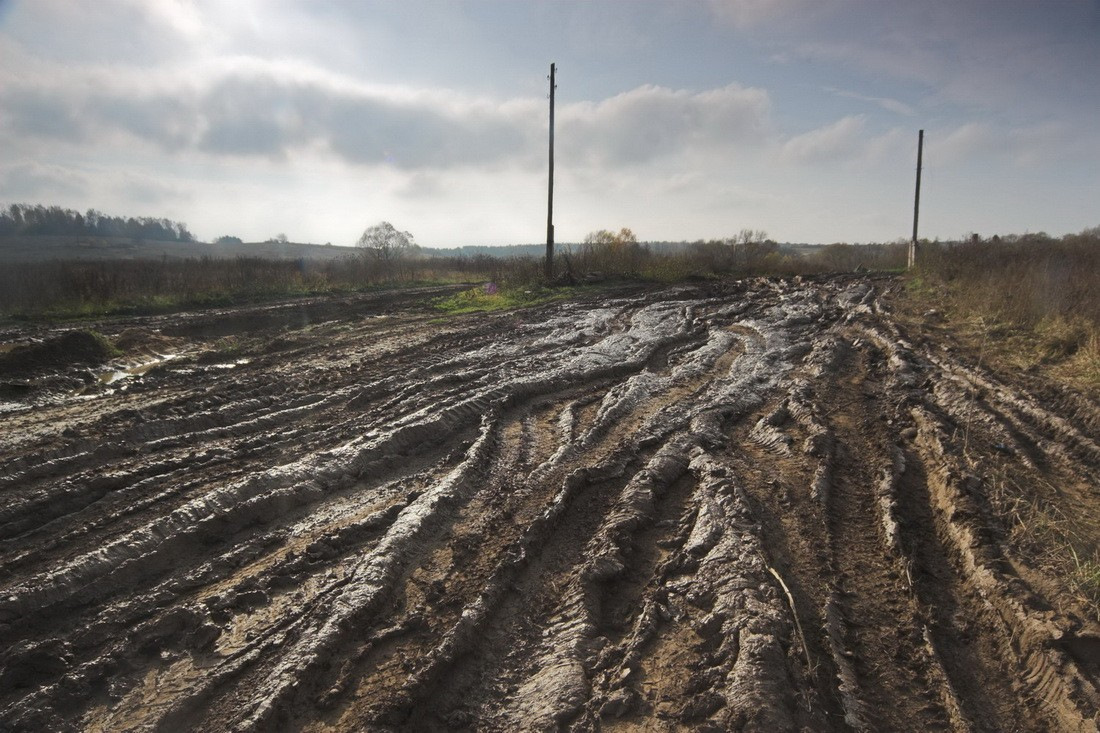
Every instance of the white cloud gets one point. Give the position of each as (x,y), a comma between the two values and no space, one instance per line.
(652,122)
(254,117)
(28,181)
(838,141)
(146,32)
(962,143)
(147,190)
(258,110)
(1050,143)
(269,115)
(886,103)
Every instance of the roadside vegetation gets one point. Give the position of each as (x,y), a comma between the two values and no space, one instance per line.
(490,296)
(1031,296)
(386,257)
(75,289)
(1025,304)
(1021,303)
(1033,301)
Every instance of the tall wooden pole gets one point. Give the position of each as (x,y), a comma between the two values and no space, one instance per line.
(550,190)
(916,203)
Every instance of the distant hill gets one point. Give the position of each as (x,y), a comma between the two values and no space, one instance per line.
(30,248)
(504,251)
(539,250)
(42,247)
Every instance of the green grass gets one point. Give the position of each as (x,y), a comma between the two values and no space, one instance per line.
(486,298)
(108,346)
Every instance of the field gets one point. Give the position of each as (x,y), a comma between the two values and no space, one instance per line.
(766,504)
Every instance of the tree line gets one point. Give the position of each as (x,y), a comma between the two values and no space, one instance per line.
(36,219)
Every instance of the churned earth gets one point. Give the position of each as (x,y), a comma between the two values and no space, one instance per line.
(762,505)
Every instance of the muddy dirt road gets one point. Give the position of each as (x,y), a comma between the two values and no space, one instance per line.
(758,506)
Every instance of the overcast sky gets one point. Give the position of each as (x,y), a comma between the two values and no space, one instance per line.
(679,119)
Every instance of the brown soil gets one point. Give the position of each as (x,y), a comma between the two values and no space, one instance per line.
(757,506)
(73,348)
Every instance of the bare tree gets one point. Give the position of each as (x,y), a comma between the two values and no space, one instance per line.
(385,242)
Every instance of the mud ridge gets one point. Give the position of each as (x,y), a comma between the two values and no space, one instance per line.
(761,506)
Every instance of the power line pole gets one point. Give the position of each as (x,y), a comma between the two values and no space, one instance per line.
(550,191)
(916,203)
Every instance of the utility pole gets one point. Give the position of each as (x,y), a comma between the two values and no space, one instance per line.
(916,203)
(550,190)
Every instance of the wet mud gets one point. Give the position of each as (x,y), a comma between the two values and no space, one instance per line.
(760,506)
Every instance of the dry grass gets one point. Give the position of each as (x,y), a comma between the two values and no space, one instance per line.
(1041,530)
(1035,298)
(1027,303)
(77,288)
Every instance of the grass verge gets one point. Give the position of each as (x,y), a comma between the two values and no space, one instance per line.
(490,297)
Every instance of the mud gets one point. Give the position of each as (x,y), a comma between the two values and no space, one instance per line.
(756,506)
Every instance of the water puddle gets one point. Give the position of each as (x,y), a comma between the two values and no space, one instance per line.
(229,364)
(119,373)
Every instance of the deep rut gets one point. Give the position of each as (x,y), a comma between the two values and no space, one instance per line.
(747,506)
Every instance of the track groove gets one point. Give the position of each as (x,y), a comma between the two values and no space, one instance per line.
(747,506)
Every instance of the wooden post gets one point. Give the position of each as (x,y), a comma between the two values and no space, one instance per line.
(550,191)
(916,203)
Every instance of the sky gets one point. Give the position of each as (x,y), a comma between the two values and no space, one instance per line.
(680,119)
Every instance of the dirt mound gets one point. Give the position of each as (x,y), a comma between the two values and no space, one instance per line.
(754,506)
(143,341)
(74,348)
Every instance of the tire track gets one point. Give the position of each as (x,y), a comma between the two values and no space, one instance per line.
(745,506)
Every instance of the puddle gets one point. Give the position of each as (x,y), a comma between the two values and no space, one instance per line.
(136,370)
(229,364)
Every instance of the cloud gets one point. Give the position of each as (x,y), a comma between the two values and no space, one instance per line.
(1050,145)
(428,135)
(26,180)
(1050,142)
(146,190)
(28,112)
(255,110)
(422,186)
(888,104)
(967,55)
(838,141)
(248,114)
(896,144)
(962,143)
(652,122)
(146,32)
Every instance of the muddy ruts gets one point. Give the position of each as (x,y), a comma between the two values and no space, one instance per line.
(754,506)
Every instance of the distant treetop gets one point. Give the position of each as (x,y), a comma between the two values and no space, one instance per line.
(385,242)
(35,219)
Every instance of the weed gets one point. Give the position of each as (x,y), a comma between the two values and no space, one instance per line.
(1043,531)
(1038,298)
(105,344)
(1086,579)
(490,297)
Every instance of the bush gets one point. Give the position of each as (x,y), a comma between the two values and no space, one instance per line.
(1023,280)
